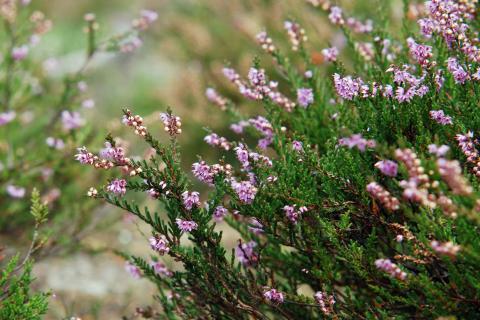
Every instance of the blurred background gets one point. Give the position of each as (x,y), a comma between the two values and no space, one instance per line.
(182,54)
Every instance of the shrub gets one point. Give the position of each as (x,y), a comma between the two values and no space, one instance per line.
(361,198)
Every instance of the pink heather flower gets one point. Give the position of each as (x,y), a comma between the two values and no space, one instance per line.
(149,15)
(159,244)
(55,143)
(88,103)
(238,127)
(84,157)
(274,296)
(304,97)
(255,226)
(459,74)
(356,140)
(438,151)
(214,139)
(133,270)
(245,253)
(116,154)
(308,74)
(203,172)
(7,117)
(335,16)
(383,196)
(131,44)
(171,123)
(219,213)
(420,53)
(387,167)
(399,238)
(20,53)
(71,120)
(391,268)
(330,54)
(118,186)
(245,191)
(160,269)
(243,156)
(295,33)
(440,117)
(451,173)
(191,199)
(325,301)
(427,27)
(82,86)
(292,214)
(213,96)
(15,191)
(405,96)
(297,146)
(347,87)
(447,248)
(265,42)
(186,225)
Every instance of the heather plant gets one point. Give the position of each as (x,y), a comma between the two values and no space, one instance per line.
(360,199)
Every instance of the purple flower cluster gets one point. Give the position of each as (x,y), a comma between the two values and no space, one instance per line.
(245,253)
(387,167)
(439,151)
(15,191)
(274,296)
(258,88)
(118,186)
(297,146)
(419,52)
(383,196)
(325,301)
(265,42)
(71,120)
(215,140)
(255,226)
(160,269)
(330,54)
(391,268)
(7,117)
(186,225)
(446,248)
(55,143)
(136,122)
(205,173)
(215,98)
(191,199)
(246,157)
(159,243)
(293,214)
(295,33)
(440,117)
(347,87)
(172,124)
(336,17)
(458,72)
(220,213)
(357,141)
(245,191)
(133,270)
(447,18)
(305,97)
(238,127)
(265,128)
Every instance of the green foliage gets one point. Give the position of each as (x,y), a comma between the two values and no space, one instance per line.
(16,300)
